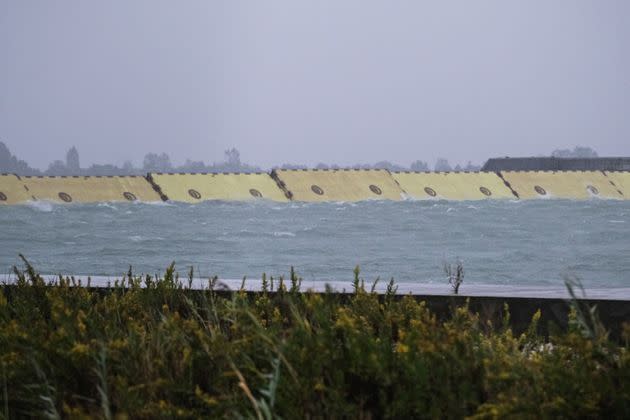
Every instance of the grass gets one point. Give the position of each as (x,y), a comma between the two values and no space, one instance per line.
(152,348)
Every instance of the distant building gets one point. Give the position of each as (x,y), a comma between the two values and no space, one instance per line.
(557,164)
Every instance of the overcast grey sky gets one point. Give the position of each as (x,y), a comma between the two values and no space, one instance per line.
(335,81)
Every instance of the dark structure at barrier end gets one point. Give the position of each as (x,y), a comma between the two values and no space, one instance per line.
(557,164)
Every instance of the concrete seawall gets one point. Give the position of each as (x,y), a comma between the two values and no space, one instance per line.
(489,301)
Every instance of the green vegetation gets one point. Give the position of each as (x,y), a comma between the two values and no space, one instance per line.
(151,348)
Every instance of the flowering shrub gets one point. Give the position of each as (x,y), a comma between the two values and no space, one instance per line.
(151,348)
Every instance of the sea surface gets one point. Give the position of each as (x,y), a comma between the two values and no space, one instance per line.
(534,243)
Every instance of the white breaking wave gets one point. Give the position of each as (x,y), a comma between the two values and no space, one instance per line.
(43,206)
(283,234)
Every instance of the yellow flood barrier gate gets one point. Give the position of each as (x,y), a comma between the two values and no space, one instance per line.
(564,184)
(453,185)
(12,190)
(338,184)
(621,182)
(193,188)
(90,189)
(317,185)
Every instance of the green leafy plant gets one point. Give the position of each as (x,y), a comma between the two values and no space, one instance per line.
(150,347)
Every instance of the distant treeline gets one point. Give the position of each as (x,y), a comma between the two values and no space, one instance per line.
(154,162)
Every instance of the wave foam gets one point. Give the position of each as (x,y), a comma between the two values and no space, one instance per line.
(277,234)
(43,206)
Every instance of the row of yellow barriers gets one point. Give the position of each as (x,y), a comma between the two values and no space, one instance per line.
(318,185)
(75,189)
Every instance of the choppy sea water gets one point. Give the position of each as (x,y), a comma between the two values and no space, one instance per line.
(511,243)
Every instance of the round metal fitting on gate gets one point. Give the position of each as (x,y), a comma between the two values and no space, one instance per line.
(540,190)
(317,190)
(129,196)
(430,191)
(255,193)
(485,191)
(376,190)
(194,194)
(593,190)
(3,196)
(65,197)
